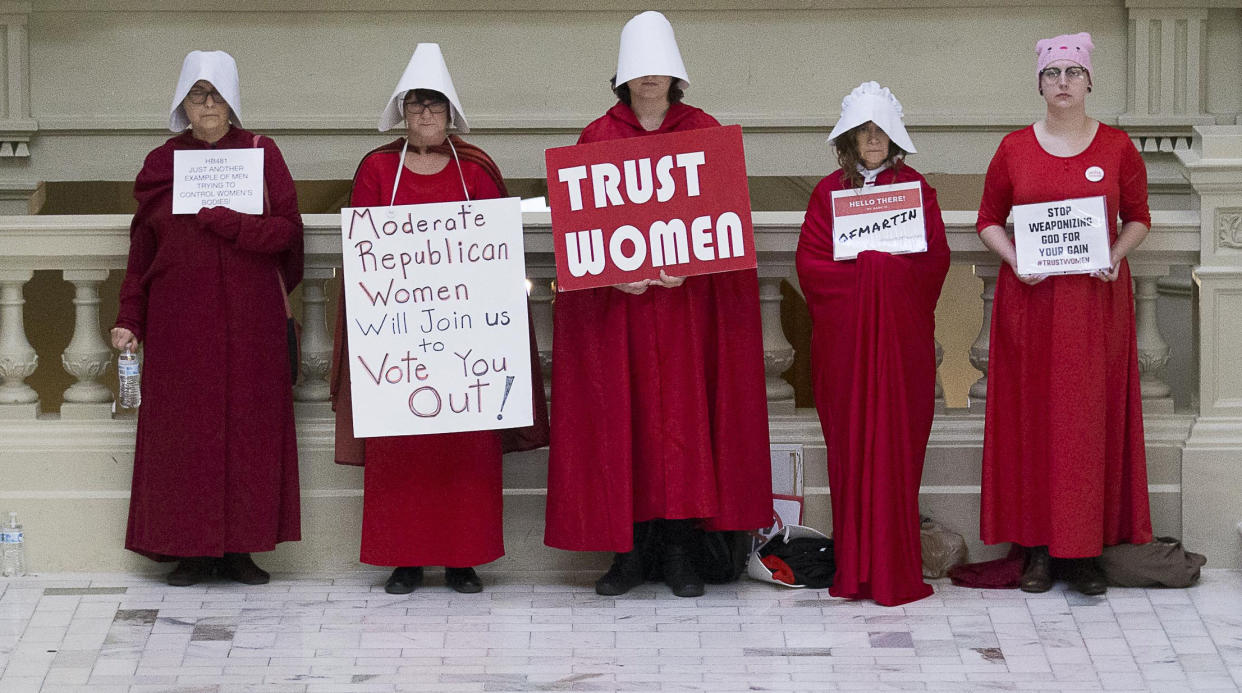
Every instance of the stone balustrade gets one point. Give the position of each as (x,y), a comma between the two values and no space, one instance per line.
(86,248)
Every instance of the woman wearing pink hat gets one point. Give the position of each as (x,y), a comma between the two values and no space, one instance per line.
(1064,464)
(873,352)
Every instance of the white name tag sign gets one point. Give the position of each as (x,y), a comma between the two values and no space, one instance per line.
(888,218)
(230,178)
(1065,237)
(436,300)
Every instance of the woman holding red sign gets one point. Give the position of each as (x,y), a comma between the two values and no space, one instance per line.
(1064,464)
(660,406)
(427,499)
(873,354)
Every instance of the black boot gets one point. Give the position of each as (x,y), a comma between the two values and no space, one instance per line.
(1037,575)
(1085,577)
(404,580)
(628,570)
(677,559)
(463,580)
(191,571)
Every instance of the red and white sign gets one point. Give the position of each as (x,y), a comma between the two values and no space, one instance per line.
(623,210)
(888,218)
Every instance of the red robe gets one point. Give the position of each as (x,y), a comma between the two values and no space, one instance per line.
(427,499)
(1064,463)
(215,464)
(660,407)
(873,362)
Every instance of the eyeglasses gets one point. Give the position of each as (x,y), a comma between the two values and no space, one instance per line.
(1072,73)
(417,107)
(198,97)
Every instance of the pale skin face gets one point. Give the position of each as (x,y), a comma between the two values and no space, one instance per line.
(428,128)
(872,145)
(209,120)
(1064,92)
(649,88)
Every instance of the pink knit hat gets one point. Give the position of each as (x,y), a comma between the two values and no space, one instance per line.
(1075,47)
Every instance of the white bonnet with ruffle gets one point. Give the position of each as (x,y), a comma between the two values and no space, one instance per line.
(871,102)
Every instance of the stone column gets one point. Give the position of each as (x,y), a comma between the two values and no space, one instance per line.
(88,354)
(778,353)
(1153,351)
(17,358)
(316,339)
(1212,457)
(979,350)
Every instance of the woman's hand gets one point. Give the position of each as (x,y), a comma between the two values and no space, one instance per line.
(1108,274)
(633,288)
(1031,279)
(124,340)
(667,281)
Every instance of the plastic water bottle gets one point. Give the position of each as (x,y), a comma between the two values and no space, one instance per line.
(130,380)
(12,549)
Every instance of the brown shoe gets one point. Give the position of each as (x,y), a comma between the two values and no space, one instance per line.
(191,571)
(1037,576)
(1087,578)
(239,567)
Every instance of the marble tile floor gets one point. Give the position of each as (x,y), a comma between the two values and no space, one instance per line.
(307,633)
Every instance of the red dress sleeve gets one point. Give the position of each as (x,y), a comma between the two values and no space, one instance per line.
(997,191)
(133,300)
(1133,186)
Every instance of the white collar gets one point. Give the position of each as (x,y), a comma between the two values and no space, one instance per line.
(870,174)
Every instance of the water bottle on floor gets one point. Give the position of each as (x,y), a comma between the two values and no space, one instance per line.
(12,549)
(129,379)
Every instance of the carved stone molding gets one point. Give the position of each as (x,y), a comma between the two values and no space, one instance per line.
(1167,65)
(16,125)
(1229,228)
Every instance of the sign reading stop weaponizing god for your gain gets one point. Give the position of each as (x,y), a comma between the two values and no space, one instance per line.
(1065,237)
(230,178)
(435,299)
(623,210)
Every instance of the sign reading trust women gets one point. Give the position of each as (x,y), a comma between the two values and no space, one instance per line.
(623,210)
(436,301)
(1064,237)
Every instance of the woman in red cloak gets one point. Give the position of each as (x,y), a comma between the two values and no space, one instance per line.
(660,406)
(1064,464)
(873,359)
(215,465)
(428,499)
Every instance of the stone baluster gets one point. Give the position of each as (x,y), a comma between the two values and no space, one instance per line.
(17,358)
(982,344)
(1153,351)
(88,354)
(939,386)
(316,340)
(541,298)
(778,353)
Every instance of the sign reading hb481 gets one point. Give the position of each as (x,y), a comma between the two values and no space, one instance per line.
(623,210)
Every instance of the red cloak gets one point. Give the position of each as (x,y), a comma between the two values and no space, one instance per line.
(873,362)
(660,407)
(215,463)
(1064,462)
(428,499)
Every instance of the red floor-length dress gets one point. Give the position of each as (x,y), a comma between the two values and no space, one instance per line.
(216,460)
(427,499)
(873,362)
(659,403)
(1064,463)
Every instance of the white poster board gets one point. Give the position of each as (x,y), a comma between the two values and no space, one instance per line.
(888,218)
(435,296)
(230,178)
(1065,237)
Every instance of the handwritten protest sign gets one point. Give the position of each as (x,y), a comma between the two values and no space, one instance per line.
(624,210)
(230,178)
(435,296)
(1065,237)
(888,218)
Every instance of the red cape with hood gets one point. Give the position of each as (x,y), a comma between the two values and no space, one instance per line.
(215,464)
(659,402)
(429,499)
(873,362)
